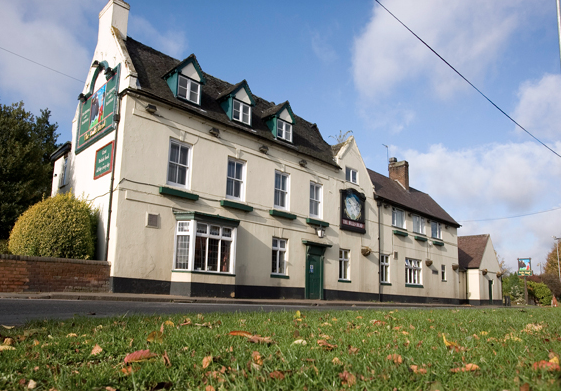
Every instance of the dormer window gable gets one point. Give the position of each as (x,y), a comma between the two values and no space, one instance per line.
(280,120)
(237,102)
(185,80)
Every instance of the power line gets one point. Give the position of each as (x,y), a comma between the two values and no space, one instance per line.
(41,65)
(467,81)
(510,217)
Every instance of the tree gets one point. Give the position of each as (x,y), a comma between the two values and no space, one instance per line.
(26,143)
(551,265)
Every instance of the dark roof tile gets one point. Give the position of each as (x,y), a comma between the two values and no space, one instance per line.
(471,249)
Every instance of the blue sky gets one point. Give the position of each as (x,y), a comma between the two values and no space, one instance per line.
(350,66)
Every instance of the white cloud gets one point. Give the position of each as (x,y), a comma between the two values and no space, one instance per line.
(469,34)
(495,181)
(322,49)
(539,107)
(171,42)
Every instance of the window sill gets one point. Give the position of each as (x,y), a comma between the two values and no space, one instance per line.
(413,286)
(437,243)
(283,276)
(284,215)
(444,280)
(178,193)
(225,274)
(400,233)
(386,283)
(421,238)
(236,205)
(311,221)
(345,281)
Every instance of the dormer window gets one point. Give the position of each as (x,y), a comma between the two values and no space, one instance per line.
(241,112)
(284,130)
(189,89)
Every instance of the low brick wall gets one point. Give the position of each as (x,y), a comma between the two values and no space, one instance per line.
(41,274)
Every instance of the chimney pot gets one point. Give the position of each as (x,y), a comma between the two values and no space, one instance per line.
(393,160)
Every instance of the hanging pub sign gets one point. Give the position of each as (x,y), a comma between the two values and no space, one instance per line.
(525,266)
(103,160)
(98,109)
(352,211)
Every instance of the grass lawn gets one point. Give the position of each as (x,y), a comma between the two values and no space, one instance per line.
(467,349)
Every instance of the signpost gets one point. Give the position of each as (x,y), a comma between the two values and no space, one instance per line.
(525,269)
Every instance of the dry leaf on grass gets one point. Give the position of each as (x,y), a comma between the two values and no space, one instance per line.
(156,336)
(186,322)
(336,361)
(452,345)
(276,375)
(8,327)
(326,345)
(96,350)
(299,342)
(167,362)
(347,378)
(353,350)
(467,368)
(547,365)
(396,358)
(207,361)
(6,347)
(209,388)
(240,333)
(260,339)
(139,355)
(416,369)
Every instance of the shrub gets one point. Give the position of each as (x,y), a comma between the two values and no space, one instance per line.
(62,226)
(4,246)
(540,291)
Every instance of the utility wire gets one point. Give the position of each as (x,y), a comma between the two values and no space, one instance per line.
(511,217)
(41,65)
(467,81)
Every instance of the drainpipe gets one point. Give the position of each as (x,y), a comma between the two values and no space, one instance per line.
(117,119)
(379,204)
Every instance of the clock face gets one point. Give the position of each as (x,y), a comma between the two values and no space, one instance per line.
(352,207)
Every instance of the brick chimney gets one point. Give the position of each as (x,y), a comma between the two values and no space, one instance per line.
(399,171)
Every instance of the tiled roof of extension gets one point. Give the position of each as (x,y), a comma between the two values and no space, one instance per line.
(471,249)
(412,200)
(151,65)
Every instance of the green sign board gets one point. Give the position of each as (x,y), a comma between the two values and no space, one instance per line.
(97,112)
(525,266)
(103,160)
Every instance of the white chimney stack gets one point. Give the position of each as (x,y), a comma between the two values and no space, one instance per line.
(114,14)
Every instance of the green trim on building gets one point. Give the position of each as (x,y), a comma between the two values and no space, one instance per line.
(216,219)
(400,233)
(236,205)
(345,281)
(437,243)
(284,215)
(317,222)
(178,193)
(386,283)
(283,276)
(421,238)
(413,286)
(316,244)
(204,272)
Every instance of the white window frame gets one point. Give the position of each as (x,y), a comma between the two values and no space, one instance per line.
(385,268)
(396,212)
(177,165)
(63,180)
(344,264)
(443,272)
(182,262)
(436,230)
(243,110)
(413,272)
(233,180)
(279,257)
(351,175)
(184,92)
(284,130)
(279,191)
(316,195)
(418,224)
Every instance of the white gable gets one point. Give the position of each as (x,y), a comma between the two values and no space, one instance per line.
(242,95)
(191,72)
(285,116)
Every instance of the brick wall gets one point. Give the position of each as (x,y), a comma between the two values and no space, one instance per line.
(40,274)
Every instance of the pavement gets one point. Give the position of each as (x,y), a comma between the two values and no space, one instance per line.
(109,296)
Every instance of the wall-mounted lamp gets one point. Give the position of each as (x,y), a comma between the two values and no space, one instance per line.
(95,63)
(303,163)
(215,132)
(109,73)
(320,231)
(151,108)
(264,149)
(82,98)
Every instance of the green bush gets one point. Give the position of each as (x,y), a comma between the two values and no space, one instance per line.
(62,226)
(540,291)
(4,246)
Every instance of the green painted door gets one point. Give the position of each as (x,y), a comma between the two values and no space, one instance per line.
(313,280)
(490,292)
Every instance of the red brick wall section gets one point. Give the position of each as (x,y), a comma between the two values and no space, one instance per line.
(40,274)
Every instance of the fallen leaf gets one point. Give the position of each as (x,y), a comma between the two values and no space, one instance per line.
(96,350)
(110,389)
(6,347)
(260,339)
(416,369)
(347,378)
(139,355)
(353,350)
(276,375)
(167,362)
(467,368)
(8,327)
(209,388)
(207,361)
(452,345)
(155,336)
(71,335)
(256,357)
(127,370)
(396,358)
(525,387)
(326,345)
(240,333)
(186,322)
(548,365)
(31,385)
(299,342)
(336,361)
(297,315)
(9,341)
